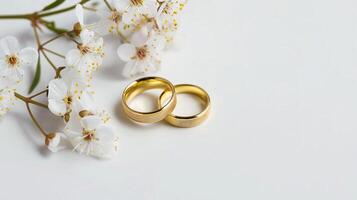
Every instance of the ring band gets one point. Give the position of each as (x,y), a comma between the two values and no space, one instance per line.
(141,85)
(188,121)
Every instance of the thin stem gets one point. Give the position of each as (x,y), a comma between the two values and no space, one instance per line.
(28,100)
(53,52)
(52,39)
(72,39)
(48,60)
(37,37)
(24,16)
(38,94)
(41,49)
(35,121)
(108,5)
(61,10)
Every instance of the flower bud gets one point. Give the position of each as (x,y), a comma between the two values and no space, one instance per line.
(85,113)
(77,28)
(52,141)
(49,138)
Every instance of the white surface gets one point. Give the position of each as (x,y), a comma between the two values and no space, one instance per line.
(282,75)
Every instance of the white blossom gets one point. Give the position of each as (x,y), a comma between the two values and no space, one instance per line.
(168,18)
(93,137)
(13,59)
(62,96)
(88,56)
(89,131)
(142,53)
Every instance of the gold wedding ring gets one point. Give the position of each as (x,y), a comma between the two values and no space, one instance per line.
(140,86)
(187,121)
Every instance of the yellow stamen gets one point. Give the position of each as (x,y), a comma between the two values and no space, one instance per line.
(142,52)
(137,2)
(12,60)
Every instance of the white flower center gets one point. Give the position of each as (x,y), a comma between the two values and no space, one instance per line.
(141,53)
(88,135)
(68,100)
(1,98)
(83,49)
(12,60)
(115,16)
(137,2)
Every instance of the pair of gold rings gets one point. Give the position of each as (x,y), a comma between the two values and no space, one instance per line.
(166,103)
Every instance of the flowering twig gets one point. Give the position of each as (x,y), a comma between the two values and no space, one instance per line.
(24,16)
(40,48)
(144,28)
(45,14)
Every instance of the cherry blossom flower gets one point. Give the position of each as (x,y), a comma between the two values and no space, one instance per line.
(13,60)
(142,53)
(88,56)
(62,96)
(168,16)
(89,134)
(134,9)
(7,98)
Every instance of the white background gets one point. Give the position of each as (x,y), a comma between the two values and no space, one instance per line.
(282,75)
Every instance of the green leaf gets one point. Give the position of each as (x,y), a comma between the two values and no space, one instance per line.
(36,78)
(53,5)
(52,27)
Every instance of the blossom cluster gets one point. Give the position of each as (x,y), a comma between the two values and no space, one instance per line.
(146,28)
(13,60)
(71,97)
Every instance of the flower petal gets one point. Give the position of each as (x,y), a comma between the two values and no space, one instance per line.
(10,77)
(129,69)
(73,57)
(105,134)
(121,5)
(87,36)
(102,27)
(9,45)
(129,16)
(57,89)
(91,122)
(150,8)
(57,107)
(140,37)
(28,56)
(86,102)
(107,143)
(126,52)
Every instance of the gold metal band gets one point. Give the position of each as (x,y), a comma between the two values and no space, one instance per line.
(188,121)
(141,85)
